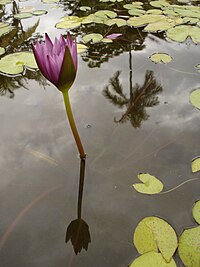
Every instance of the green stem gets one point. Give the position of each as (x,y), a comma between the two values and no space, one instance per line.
(73,125)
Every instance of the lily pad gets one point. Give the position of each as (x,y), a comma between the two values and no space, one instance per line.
(196,211)
(160,3)
(23,15)
(144,19)
(189,247)
(133,5)
(5,29)
(155,234)
(81,48)
(118,22)
(162,25)
(136,12)
(69,22)
(15,63)
(85,8)
(2,51)
(182,32)
(151,185)
(152,259)
(196,165)
(4,2)
(50,1)
(92,37)
(39,12)
(195,98)
(161,58)
(106,14)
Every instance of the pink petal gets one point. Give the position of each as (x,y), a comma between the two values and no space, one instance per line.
(114,36)
(48,43)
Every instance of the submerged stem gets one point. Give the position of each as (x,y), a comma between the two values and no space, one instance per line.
(73,125)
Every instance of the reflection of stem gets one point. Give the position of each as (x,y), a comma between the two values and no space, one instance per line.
(130,73)
(73,125)
(81,184)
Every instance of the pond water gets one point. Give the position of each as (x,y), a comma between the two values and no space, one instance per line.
(158,133)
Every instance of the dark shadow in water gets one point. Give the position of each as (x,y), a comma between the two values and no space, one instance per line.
(140,97)
(78,230)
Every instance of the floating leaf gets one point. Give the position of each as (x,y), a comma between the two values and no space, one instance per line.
(144,19)
(152,259)
(196,211)
(16,62)
(85,8)
(151,185)
(81,48)
(69,22)
(39,12)
(2,51)
(136,12)
(182,32)
(118,22)
(106,40)
(133,5)
(196,162)
(4,2)
(161,58)
(5,29)
(153,234)
(195,98)
(50,1)
(162,25)
(111,1)
(189,247)
(92,37)
(106,14)
(154,11)
(23,15)
(160,3)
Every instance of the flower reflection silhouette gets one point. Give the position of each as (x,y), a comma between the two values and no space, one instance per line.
(58,63)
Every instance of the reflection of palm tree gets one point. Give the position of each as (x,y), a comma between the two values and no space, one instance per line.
(140,98)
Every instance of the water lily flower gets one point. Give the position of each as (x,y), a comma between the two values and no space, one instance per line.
(58,61)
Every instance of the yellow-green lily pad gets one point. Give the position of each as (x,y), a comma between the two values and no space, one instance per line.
(159,3)
(155,234)
(5,28)
(196,211)
(152,259)
(92,37)
(16,63)
(136,12)
(23,15)
(144,19)
(118,22)
(39,12)
(161,58)
(81,48)
(189,247)
(2,51)
(4,2)
(196,165)
(85,8)
(50,1)
(182,32)
(106,14)
(150,184)
(195,98)
(69,22)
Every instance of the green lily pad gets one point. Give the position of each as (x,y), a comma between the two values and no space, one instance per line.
(195,98)
(155,234)
(162,25)
(92,37)
(4,2)
(154,11)
(144,19)
(152,259)
(151,185)
(15,63)
(133,5)
(113,1)
(161,58)
(136,12)
(182,32)
(39,12)
(106,40)
(196,165)
(189,247)
(2,51)
(5,29)
(69,22)
(85,8)
(23,15)
(81,48)
(106,14)
(196,211)
(160,3)
(118,22)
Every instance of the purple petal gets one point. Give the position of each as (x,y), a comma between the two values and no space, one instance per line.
(40,61)
(114,36)
(48,43)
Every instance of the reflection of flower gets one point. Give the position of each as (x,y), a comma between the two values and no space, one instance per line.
(78,233)
(58,61)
